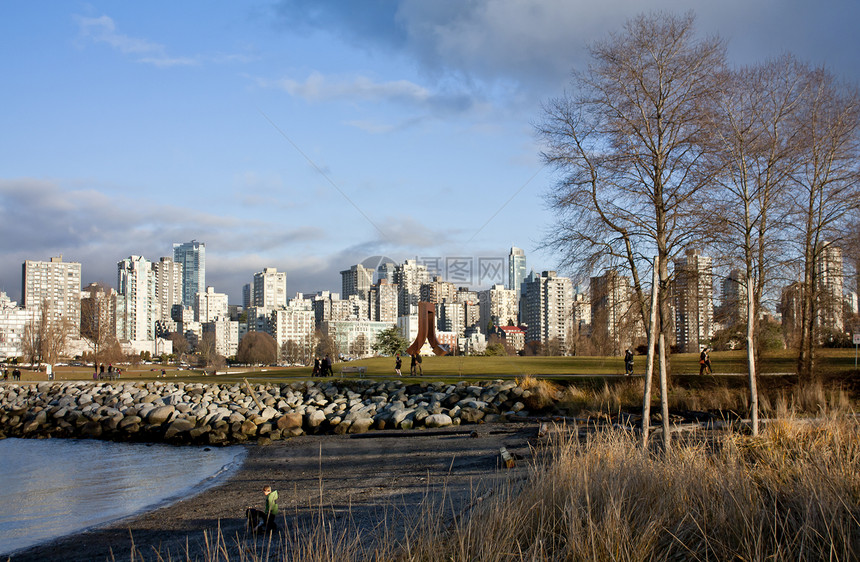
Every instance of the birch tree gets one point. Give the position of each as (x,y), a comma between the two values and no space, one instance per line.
(633,142)
(826,190)
(759,154)
(633,145)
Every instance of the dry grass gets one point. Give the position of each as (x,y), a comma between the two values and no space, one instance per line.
(791,494)
(815,399)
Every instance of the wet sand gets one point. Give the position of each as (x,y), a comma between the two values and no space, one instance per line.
(358,480)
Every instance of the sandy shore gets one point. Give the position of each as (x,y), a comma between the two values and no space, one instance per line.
(360,480)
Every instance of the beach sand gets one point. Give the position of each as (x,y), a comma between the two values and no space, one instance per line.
(358,481)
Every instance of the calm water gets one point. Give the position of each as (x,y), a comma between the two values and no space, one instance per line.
(54,487)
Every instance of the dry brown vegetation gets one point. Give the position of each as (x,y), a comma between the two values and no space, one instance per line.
(793,493)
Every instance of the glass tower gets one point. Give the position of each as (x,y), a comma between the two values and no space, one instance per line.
(192,256)
(516,269)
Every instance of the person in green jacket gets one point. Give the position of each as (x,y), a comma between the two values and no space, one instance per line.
(265,520)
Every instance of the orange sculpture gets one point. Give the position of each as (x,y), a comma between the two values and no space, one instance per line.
(426,330)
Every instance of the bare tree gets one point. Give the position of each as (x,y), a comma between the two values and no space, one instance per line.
(45,337)
(208,350)
(180,344)
(634,145)
(291,352)
(759,153)
(325,344)
(826,190)
(97,326)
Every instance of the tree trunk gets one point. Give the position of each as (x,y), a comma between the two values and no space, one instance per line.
(649,369)
(751,363)
(664,394)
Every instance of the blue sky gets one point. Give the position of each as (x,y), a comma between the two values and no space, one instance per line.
(310,135)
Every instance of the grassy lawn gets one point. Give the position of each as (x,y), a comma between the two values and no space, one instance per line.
(832,363)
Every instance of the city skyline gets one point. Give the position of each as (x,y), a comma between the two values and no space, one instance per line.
(305,136)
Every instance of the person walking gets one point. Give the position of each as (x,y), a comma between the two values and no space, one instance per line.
(397,364)
(420,369)
(705,362)
(316,371)
(412,364)
(326,366)
(628,362)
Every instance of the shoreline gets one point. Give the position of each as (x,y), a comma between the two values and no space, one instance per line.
(219,475)
(355,482)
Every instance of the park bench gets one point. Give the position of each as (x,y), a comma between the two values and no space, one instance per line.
(361,371)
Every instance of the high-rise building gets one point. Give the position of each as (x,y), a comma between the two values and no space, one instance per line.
(57,284)
(294,327)
(225,334)
(192,257)
(409,276)
(270,289)
(450,317)
(210,306)
(499,306)
(694,301)
(438,291)
(546,307)
(246,296)
(136,308)
(382,302)
(13,323)
(168,286)
(581,312)
(329,306)
(516,269)
(386,271)
(733,308)
(356,281)
(613,321)
(471,307)
(829,282)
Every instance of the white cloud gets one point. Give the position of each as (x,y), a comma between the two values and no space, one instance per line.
(103,29)
(318,87)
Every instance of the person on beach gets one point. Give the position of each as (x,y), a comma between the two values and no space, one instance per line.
(628,362)
(397,364)
(264,520)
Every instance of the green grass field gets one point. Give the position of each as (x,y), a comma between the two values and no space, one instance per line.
(831,363)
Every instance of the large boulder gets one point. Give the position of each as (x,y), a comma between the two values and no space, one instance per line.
(179,425)
(438,420)
(290,421)
(160,414)
(360,425)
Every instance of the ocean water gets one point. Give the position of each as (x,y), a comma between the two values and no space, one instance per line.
(54,487)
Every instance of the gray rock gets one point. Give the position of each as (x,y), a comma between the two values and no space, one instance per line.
(360,425)
(438,420)
(160,414)
(470,415)
(179,425)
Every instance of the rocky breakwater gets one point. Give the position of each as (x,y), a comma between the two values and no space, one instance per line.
(220,414)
